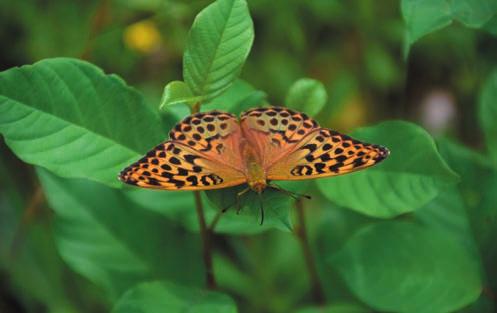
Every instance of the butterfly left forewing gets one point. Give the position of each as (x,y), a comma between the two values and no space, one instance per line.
(325,153)
(173,166)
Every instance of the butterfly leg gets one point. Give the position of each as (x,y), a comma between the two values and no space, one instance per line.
(261,207)
(292,194)
(238,195)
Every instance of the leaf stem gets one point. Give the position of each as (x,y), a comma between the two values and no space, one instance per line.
(301,232)
(205,233)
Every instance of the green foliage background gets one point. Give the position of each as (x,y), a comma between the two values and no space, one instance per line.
(88,87)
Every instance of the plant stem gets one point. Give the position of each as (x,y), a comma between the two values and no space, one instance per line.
(206,242)
(99,20)
(205,232)
(27,217)
(301,232)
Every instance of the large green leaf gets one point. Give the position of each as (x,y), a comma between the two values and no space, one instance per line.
(115,243)
(307,95)
(403,267)
(218,45)
(488,114)
(160,297)
(68,116)
(410,177)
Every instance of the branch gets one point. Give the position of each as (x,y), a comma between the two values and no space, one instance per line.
(301,232)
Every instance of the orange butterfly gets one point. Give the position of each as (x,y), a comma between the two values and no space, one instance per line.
(214,150)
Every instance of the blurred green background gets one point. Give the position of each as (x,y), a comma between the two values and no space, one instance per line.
(357,49)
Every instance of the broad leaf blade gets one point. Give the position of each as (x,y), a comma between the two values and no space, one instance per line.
(402,267)
(307,95)
(410,177)
(218,45)
(159,297)
(115,243)
(68,116)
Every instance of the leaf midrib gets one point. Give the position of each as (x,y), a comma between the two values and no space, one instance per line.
(211,61)
(63,120)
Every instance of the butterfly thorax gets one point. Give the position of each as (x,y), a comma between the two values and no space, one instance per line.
(256,176)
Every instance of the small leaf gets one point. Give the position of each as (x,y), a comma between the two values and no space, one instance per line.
(275,204)
(473,13)
(177,92)
(113,242)
(307,95)
(402,267)
(424,16)
(160,297)
(410,177)
(491,26)
(488,114)
(218,45)
(68,116)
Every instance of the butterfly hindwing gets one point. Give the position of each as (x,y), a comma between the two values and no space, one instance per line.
(324,153)
(201,154)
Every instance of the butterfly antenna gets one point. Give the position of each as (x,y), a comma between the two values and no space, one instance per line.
(261,207)
(292,194)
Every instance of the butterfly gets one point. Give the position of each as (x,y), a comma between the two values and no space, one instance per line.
(213,150)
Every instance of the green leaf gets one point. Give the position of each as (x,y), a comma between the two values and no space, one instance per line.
(491,26)
(336,308)
(177,92)
(424,16)
(239,97)
(180,206)
(115,243)
(473,13)
(69,117)
(488,114)
(159,297)
(402,267)
(410,177)
(218,45)
(307,95)
(276,206)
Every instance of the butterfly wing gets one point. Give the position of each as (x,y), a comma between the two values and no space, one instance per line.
(324,153)
(294,147)
(203,153)
(274,132)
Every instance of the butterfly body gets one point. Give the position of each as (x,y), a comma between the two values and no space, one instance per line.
(213,150)
(255,173)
